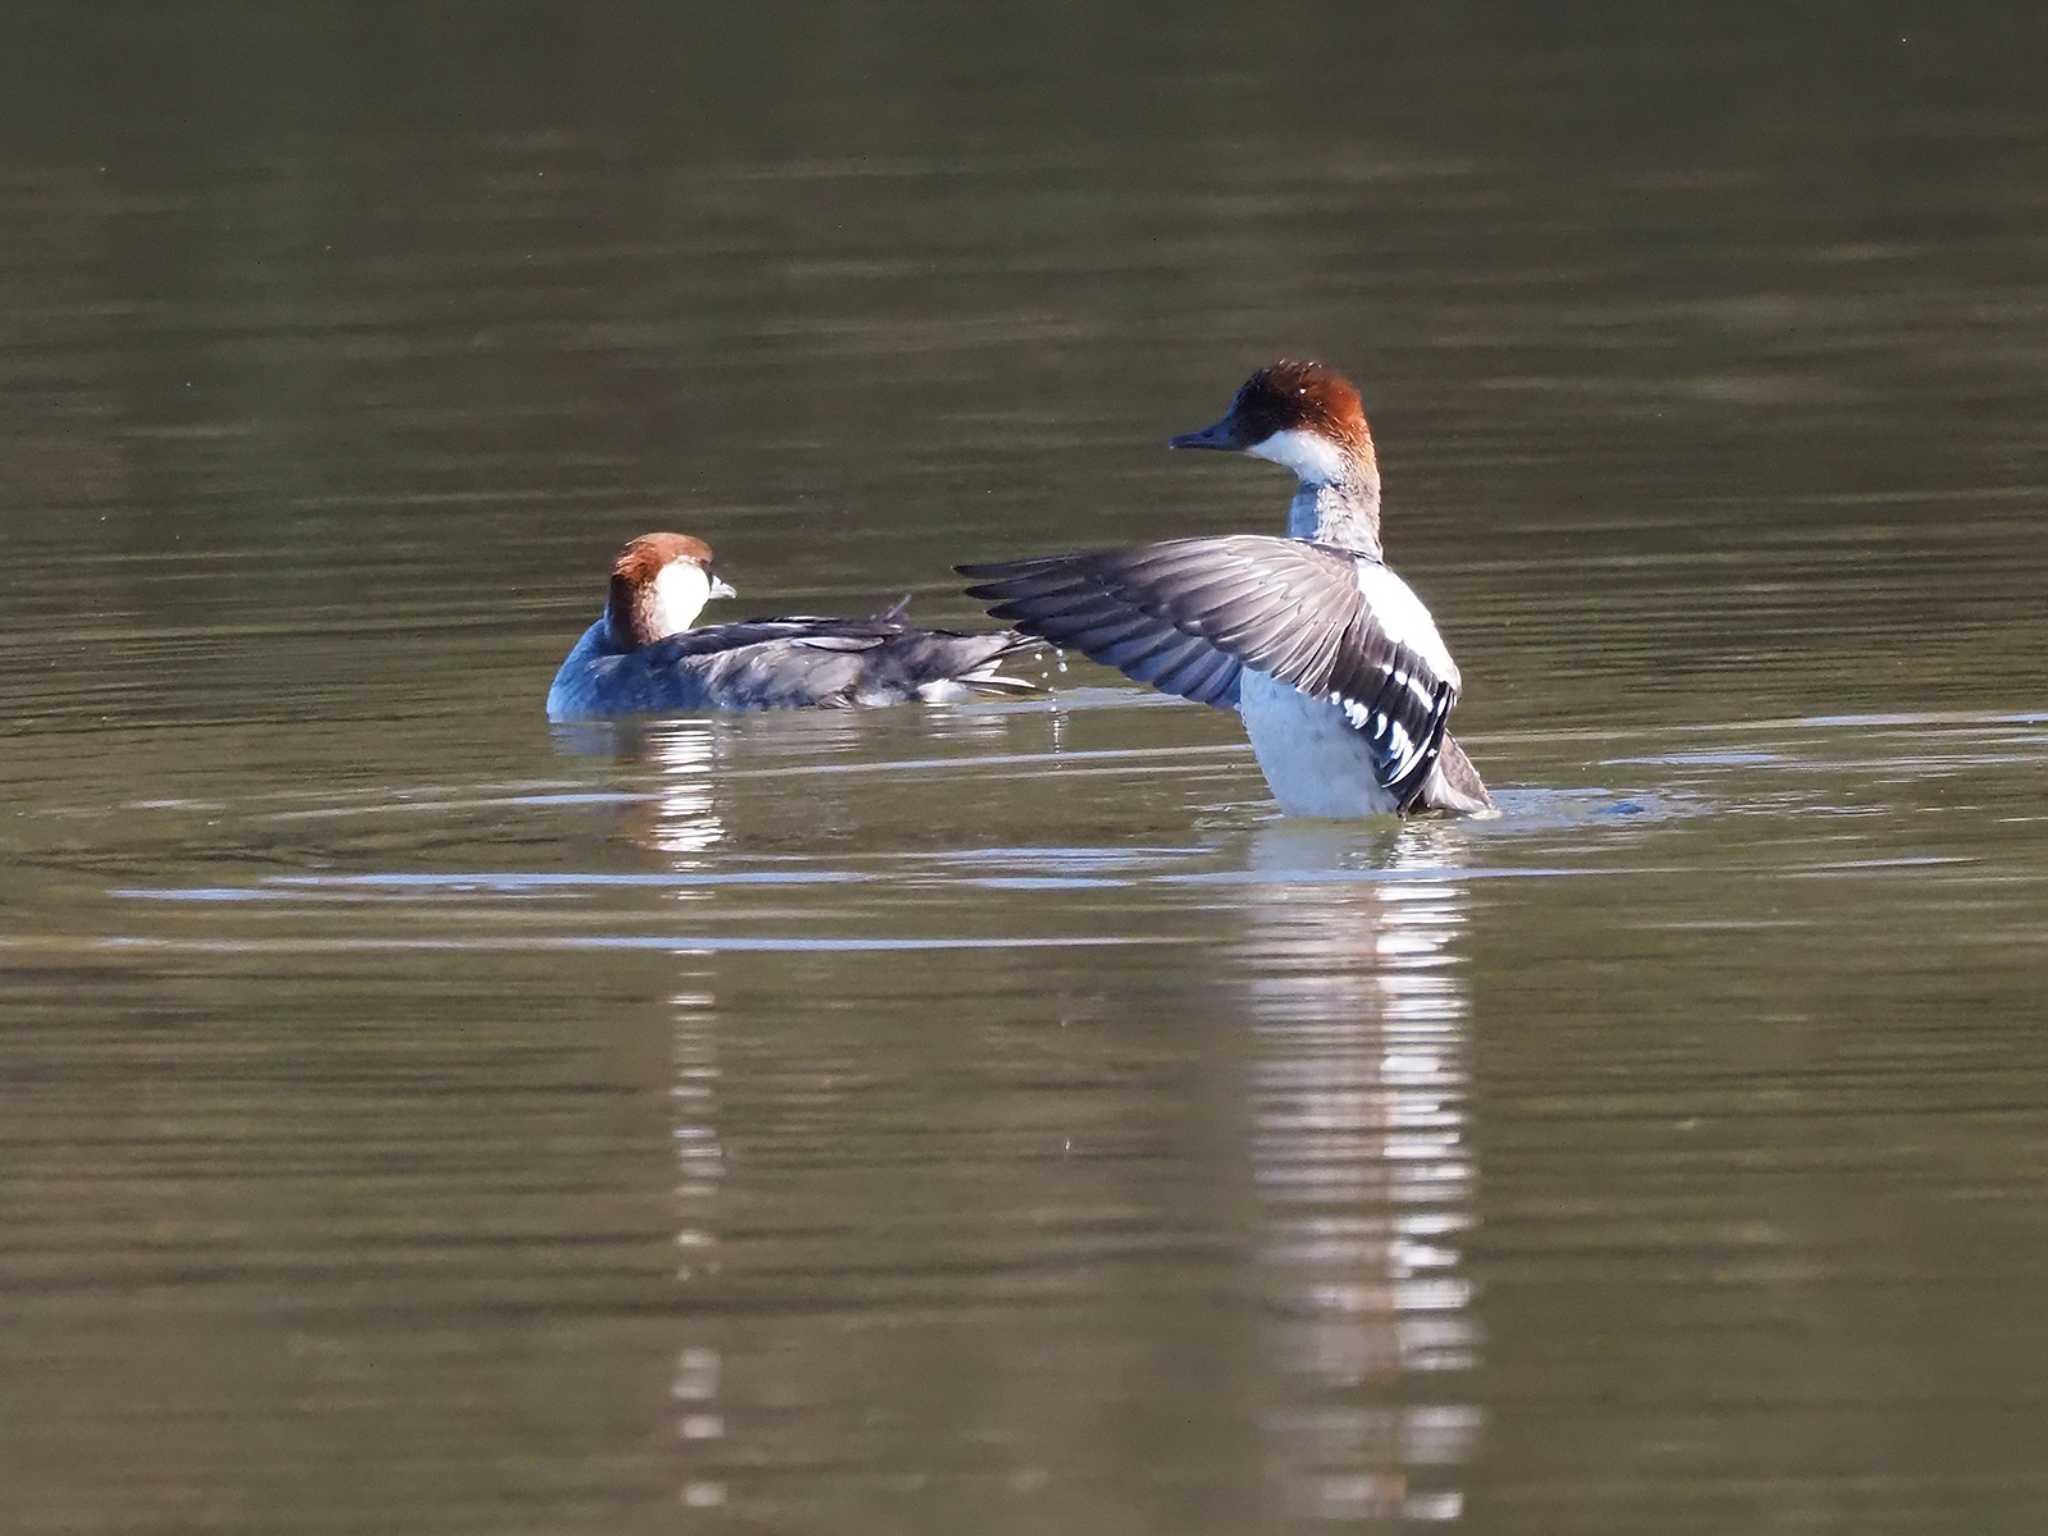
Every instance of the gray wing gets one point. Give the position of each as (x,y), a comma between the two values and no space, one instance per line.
(846,634)
(1189,615)
(819,662)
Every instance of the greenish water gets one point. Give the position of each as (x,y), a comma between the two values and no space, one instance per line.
(415,1117)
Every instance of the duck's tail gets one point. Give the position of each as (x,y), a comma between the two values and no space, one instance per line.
(974,665)
(943,665)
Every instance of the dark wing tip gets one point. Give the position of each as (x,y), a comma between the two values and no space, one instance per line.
(1407,786)
(996,579)
(1001,568)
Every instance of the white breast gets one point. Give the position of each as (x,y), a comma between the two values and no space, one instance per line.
(1315,763)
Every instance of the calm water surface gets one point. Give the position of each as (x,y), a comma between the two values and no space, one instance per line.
(994,1118)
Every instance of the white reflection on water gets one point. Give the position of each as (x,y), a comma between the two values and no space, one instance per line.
(1357,1094)
(681,815)
(682,818)
(698,1418)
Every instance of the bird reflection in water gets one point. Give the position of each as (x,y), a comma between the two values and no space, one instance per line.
(1360,1166)
(678,817)
(680,814)
(683,816)
(697,1416)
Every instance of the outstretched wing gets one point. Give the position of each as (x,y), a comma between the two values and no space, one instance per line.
(1190,615)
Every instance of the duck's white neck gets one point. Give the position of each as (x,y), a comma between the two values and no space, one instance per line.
(1336,514)
(1338,498)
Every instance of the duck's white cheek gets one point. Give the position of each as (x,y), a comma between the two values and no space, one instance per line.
(1310,455)
(680,592)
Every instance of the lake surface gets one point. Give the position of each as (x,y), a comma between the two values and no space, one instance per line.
(994,1118)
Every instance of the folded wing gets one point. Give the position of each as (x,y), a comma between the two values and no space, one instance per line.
(822,662)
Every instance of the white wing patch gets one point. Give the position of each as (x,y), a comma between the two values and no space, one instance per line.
(1364,717)
(1400,613)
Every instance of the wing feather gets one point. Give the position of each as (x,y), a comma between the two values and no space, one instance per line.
(1189,615)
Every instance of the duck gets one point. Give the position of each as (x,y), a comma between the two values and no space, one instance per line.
(643,657)
(1333,662)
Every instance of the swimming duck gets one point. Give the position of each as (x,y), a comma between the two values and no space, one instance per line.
(642,657)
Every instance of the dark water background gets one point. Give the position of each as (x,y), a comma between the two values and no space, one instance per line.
(994,1119)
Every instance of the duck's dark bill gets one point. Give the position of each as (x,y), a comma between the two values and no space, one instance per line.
(1223,436)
